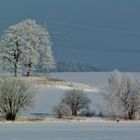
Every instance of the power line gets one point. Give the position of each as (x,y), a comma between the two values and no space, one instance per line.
(78,26)
(95,28)
(101,50)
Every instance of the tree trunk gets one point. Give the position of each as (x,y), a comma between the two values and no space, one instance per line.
(129,115)
(74,113)
(10,116)
(29,70)
(15,69)
(28,73)
(16,54)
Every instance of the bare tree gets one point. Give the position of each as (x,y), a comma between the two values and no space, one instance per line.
(76,100)
(15,96)
(123,95)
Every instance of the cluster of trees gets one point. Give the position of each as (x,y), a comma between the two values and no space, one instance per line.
(122,96)
(24,46)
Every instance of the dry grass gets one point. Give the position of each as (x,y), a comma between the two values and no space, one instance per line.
(42,80)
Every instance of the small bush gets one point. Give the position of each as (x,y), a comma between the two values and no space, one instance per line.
(62,110)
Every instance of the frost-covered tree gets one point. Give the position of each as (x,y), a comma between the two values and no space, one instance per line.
(123,95)
(130,97)
(113,90)
(29,44)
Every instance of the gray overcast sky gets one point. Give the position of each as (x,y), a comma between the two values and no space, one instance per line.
(104,33)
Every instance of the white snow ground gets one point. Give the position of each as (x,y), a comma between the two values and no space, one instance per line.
(70,131)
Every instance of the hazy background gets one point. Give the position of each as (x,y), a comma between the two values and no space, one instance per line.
(103,33)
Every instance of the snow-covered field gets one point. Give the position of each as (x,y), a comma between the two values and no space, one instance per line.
(70,131)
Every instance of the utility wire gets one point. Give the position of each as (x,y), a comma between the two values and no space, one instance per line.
(78,26)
